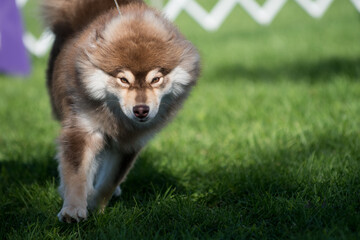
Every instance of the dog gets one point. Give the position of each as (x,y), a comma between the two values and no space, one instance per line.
(116,76)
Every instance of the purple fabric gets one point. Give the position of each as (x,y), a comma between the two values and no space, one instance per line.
(13,55)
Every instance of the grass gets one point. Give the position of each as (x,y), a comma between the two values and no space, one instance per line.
(267,147)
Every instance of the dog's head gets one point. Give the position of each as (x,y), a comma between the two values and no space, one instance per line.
(137,59)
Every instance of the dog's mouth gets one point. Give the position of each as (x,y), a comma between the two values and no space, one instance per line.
(143,120)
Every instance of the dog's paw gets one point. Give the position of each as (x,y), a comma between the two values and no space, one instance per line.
(72,214)
(117,192)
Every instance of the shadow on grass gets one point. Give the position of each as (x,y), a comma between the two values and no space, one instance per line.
(299,189)
(311,72)
(290,190)
(145,181)
(28,192)
(29,172)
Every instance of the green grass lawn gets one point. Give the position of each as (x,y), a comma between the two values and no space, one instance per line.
(267,147)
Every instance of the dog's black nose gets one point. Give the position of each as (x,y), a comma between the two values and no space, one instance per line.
(141,111)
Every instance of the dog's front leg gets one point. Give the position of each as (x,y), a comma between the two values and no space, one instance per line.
(77,152)
(113,171)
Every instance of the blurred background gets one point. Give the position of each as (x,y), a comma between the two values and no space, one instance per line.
(267,145)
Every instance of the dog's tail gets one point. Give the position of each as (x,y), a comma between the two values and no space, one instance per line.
(65,17)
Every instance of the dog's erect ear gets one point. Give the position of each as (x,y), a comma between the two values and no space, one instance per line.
(96,38)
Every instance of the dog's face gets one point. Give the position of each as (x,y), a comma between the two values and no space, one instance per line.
(137,60)
(140,93)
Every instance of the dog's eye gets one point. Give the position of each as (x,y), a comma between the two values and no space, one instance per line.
(155,80)
(124,80)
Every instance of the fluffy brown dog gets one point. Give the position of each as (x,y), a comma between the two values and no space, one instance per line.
(114,81)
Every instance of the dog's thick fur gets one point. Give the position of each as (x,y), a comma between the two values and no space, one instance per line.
(113,81)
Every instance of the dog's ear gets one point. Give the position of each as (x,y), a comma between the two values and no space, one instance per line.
(93,45)
(96,38)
